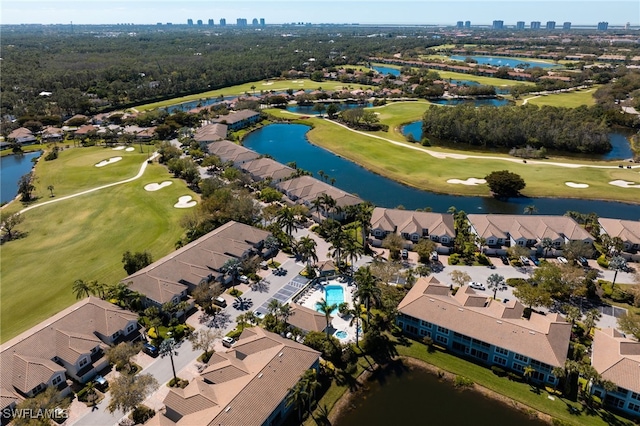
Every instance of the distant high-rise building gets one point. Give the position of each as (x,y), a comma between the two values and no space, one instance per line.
(223,22)
(254,22)
(199,22)
(566,25)
(459,24)
(211,24)
(159,24)
(603,26)
(241,22)
(551,25)
(467,24)
(190,22)
(627,26)
(169,23)
(535,25)
(498,25)
(262,22)
(520,25)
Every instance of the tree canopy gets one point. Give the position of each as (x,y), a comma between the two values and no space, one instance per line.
(505,184)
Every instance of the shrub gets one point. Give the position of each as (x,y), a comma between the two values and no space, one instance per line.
(621,296)
(483,259)
(425,142)
(454,259)
(606,288)
(515,282)
(141,414)
(235,292)
(498,371)
(52,155)
(462,382)
(603,262)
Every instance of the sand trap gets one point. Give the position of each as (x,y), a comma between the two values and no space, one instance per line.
(624,184)
(130,149)
(109,161)
(118,148)
(185,202)
(576,185)
(157,186)
(297,81)
(267,84)
(470,181)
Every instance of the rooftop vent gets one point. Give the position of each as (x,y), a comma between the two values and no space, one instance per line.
(226,410)
(260,376)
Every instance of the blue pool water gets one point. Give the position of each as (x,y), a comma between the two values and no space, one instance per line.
(333,294)
(341,334)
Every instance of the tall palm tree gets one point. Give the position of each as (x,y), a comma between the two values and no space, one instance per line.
(98,289)
(233,268)
(363,217)
(271,244)
(287,220)
(355,319)
(307,250)
(81,289)
(336,239)
(168,348)
(617,263)
(297,397)
(547,244)
(274,308)
(352,250)
(324,307)
(285,313)
(528,372)
(367,289)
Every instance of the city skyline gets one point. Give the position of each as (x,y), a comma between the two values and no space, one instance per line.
(409,12)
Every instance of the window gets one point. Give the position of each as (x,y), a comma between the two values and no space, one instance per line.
(425,324)
(481,343)
(415,237)
(83,362)
(116,334)
(444,240)
(491,241)
(411,329)
(56,380)
(377,233)
(522,358)
(499,360)
(634,407)
(442,339)
(130,328)
(443,330)
(502,351)
(479,354)
(425,333)
(635,396)
(518,367)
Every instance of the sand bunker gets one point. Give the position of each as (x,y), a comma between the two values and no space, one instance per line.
(118,148)
(157,186)
(624,184)
(130,149)
(109,161)
(297,81)
(576,185)
(185,202)
(470,181)
(267,84)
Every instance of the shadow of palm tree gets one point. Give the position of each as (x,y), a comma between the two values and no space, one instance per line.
(346,379)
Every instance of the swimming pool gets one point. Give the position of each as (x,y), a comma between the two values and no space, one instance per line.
(333,294)
(340,334)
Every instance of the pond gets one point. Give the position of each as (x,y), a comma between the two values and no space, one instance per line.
(621,147)
(386,70)
(499,90)
(288,142)
(503,61)
(187,106)
(475,102)
(308,109)
(12,168)
(418,397)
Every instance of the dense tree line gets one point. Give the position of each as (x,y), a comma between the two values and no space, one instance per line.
(574,130)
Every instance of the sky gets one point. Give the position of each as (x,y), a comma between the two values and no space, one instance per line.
(479,12)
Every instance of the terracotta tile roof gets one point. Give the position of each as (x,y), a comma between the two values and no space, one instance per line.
(237,116)
(29,372)
(617,358)
(229,151)
(86,129)
(211,133)
(532,227)
(70,345)
(627,230)
(271,366)
(20,132)
(543,338)
(409,221)
(263,168)
(307,189)
(306,319)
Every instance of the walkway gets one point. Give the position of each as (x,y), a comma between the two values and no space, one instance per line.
(143,167)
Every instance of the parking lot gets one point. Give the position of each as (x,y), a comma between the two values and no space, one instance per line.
(284,293)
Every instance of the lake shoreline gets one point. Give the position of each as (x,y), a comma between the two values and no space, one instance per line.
(344,403)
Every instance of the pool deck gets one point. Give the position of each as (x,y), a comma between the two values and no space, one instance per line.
(313,295)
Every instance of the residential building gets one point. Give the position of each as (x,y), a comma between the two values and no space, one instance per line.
(603,26)
(412,226)
(484,329)
(617,359)
(551,25)
(306,189)
(460,24)
(566,25)
(498,25)
(230,151)
(467,24)
(627,230)
(254,22)
(238,119)
(199,22)
(503,231)
(267,168)
(262,22)
(520,25)
(246,385)
(190,22)
(241,22)
(210,133)
(535,25)
(22,136)
(210,23)
(69,344)
(307,319)
(172,277)
(223,22)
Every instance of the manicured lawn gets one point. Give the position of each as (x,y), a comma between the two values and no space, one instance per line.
(266,85)
(26,148)
(84,238)
(490,81)
(421,170)
(522,392)
(567,100)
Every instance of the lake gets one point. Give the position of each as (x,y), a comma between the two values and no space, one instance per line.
(621,148)
(475,102)
(288,142)
(417,397)
(387,70)
(499,90)
(12,168)
(308,109)
(503,61)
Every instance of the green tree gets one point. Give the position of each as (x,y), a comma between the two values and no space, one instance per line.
(617,264)
(325,308)
(332,110)
(133,262)
(9,222)
(81,289)
(532,296)
(46,401)
(591,318)
(204,339)
(505,184)
(530,209)
(287,220)
(168,348)
(50,188)
(630,323)
(233,268)
(26,187)
(307,250)
(572,314)
(424,248)
(319,107)
(121,354)
(496,282)
(271,244)
(393,242)
(459,278)
(128,391)
(547,244)
(367,290)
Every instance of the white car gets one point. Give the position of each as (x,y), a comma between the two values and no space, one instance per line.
(563,260)
(524,260)
(476,286)
(227,341)
(244,279)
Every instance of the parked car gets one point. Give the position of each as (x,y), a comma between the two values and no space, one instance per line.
(583,261)
(524,260)
(244,279)
(101,383)
(492,266)
(505,260)
(434,256)
(404,253)
(280,271)
(505,300)
(535,260)
(219,301)
(150,350)
(563,260)
(476,285)
(227,341)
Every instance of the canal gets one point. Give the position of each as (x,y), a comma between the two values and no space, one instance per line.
(288,142)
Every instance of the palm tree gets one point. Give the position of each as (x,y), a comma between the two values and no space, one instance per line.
(324,307)
(591,318)
(307,250)
(297,397)
(355,319)
(352,250)
(558,373)
(168,348)
(617,263)
(271,244)
(530,209)
(367,290)
(363,217)
(81,289)
(274,308)
(287,220)
(572,314)
(528,372)
(496,282)
(233,268)
(337,241)
(285,313)
(547,244)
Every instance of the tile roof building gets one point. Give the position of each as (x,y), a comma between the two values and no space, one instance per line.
(307,319)
(617,359)
(245,386)
(305,189)
(71,343)
(627,230)
(267,168)
(484,329)
(211,133)
(412,226)
(229,151)
(238,119)
(169,279)
(526,230)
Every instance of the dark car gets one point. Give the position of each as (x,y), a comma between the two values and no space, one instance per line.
(150,350)
(504,259)
(535,260)
(405,254)
(583,261)
(101,383)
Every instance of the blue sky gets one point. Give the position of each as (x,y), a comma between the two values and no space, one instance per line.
(585,12)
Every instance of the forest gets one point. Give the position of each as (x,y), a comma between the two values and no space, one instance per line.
(580,129)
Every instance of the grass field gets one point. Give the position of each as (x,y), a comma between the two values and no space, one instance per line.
(84,237)
(572,99)
(277,85)
(422,170)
